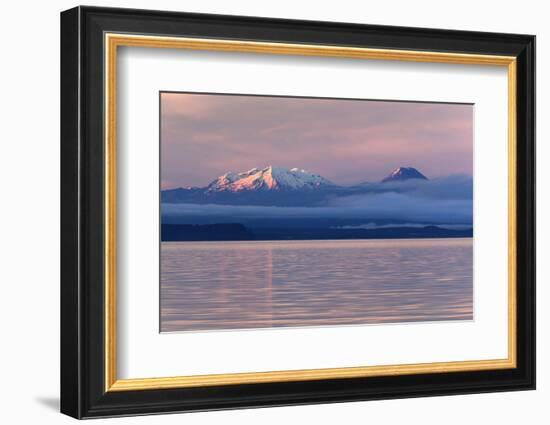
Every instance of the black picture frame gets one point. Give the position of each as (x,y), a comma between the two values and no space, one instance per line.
(83,392)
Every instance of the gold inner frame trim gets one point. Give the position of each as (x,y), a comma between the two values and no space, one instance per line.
(113,41)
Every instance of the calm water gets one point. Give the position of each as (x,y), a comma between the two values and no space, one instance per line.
(236,285)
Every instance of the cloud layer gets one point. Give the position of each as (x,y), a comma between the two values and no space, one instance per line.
(445,200)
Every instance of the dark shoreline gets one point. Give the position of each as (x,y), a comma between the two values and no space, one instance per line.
(239,232)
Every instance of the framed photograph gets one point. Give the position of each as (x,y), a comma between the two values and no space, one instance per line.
(261,212)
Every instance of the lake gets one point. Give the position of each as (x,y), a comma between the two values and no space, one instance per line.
(264,284)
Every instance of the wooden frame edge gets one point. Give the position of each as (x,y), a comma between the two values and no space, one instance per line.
(306,375)
(114,40)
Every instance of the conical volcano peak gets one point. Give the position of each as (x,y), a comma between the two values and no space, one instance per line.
(404,173)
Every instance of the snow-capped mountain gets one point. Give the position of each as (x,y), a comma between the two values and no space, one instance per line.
(276,186)
(269,178)
(404,173)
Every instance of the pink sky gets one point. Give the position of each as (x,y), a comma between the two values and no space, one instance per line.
(346,141)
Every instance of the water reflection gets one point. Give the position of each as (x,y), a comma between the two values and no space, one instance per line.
(236,285)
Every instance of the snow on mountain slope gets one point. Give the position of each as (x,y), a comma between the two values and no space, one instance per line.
(269,178)
(277,186)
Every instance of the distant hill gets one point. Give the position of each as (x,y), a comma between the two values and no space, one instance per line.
(339,233)
(205,232)
(239,232)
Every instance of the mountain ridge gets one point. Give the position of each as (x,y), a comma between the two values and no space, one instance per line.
(278,186)
(268,178)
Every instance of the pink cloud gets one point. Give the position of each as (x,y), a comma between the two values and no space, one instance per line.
(347,141)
